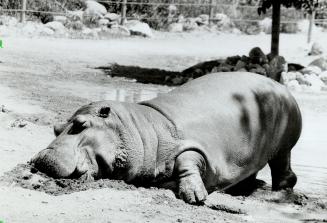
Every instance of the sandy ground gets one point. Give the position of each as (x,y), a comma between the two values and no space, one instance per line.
(43,81)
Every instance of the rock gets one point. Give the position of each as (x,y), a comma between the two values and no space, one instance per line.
(311,69)
(120,30)
(258,70)
(112,17)
(315,81)
(75,15)
(320,62)
(276,66)
(175,27)
(57,27)
(289,28)
(302,80)
(323,77)
(202,20)
(239,65)
(62,19)
(29,28)
(257,56)
(232,60)
(265,25)
(190,25)
(47,31)
(252,29)
(316,49)
(223,21)
(294,85)
(103,22)
(8,21)
(139,28)
(288,76)
(95,7)
(75,25)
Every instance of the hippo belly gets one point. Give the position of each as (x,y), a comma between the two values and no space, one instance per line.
(241,120)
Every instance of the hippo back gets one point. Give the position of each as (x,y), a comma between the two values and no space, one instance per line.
(240,118)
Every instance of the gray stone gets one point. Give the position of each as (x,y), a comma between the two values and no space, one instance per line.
(316,49)
(175,27)
(311,69)
(257,56)
(320,62)
(139,28)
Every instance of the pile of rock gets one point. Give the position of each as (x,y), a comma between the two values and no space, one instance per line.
(93,21)
(313,77)
(256,62)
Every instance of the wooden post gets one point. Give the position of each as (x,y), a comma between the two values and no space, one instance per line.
(211,12)
(123,12)
(275,28)
(23,12)
(311,24)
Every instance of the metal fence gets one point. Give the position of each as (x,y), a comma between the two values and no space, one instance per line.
(236,11)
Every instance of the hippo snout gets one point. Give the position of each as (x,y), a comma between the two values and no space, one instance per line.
(55,163)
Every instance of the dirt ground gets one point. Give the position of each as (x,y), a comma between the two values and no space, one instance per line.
(43,81)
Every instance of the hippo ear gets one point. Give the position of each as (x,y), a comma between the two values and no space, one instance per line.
(104,112)
(59,128)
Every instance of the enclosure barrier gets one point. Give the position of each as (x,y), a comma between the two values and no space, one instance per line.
(212,6)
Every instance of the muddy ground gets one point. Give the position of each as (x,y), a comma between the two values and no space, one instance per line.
(43,81)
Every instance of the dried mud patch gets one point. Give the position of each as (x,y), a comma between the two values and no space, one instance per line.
(26,176)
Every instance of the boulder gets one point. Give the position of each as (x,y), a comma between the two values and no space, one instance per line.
(75,25)
(289,28)
(8,20)
(294,85)
(223,21)
(202,20)
(62,19)
(276,66)
(288,76)
(320,62)
(239,65)
(75,15)
(95,7)
(311,69)
(175,27)
(120,30)
(190,25)
(57,27)
(316,83)
(112,17)
(302,80)
(45,31)
(257,56)
(139,28)
(323,77)
(316,49)
(265,25)
(103,22)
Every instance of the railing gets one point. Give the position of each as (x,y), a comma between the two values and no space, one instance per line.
(212,6)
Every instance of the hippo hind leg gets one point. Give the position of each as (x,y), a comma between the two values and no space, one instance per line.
(246,186)
(281,173)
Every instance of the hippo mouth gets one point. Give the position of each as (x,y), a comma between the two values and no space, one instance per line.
(58,165)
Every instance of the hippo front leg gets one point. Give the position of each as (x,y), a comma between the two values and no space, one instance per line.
(189,167)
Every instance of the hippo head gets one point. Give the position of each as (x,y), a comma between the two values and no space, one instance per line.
(85,145)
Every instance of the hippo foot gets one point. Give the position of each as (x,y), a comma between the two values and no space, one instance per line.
(286,181)
(191,189)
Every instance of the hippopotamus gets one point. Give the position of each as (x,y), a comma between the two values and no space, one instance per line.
(212,133)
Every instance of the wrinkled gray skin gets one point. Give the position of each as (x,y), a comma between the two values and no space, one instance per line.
(209,134)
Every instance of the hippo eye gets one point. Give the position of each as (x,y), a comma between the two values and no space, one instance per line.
(104,112)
